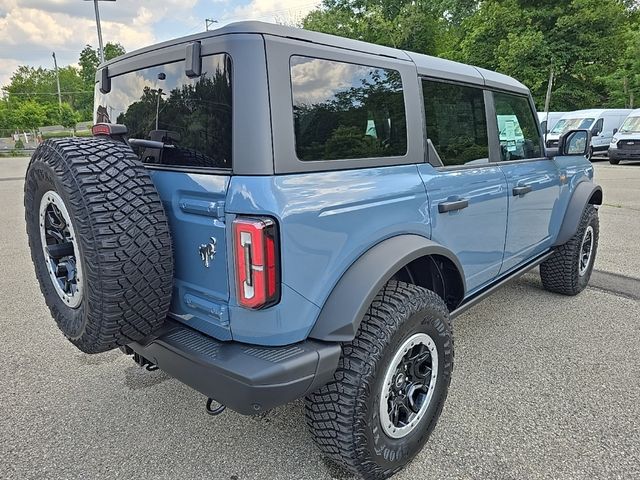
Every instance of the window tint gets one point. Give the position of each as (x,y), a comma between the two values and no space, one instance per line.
(456,122)
(191,116)
(517,126)
(598,126)
(342,110)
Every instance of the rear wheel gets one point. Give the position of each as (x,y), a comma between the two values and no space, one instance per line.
(614,161)
(99,242)
(390,385)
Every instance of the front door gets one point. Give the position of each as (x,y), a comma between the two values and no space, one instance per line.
(533,184)
(467,193)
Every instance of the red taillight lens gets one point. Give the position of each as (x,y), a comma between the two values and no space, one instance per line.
(256,261)
(100,129)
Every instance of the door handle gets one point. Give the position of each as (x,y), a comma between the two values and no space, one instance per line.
(521,190)
(453,205)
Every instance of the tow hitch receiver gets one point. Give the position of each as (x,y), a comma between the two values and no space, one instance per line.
(139,359)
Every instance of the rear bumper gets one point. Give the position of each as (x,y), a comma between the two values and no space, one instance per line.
(246,378)
(624,154)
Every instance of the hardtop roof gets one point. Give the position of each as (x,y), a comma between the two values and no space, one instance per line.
(596,112)
(426,65)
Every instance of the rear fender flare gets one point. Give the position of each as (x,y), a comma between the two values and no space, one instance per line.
(584,194)
(350,298)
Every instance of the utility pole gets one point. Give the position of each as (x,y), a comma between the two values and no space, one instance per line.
(55,65)
(547,103)
(160,93)
(208,22)
(99,27)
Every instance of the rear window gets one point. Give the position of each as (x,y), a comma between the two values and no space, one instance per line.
(191,116)
(345,111)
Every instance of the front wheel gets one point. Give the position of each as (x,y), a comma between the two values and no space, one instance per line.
(614,161)
(390,385)
(569,269)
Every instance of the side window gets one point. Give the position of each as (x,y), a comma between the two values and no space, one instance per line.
(190,116)
(343,110)
(456,122)
(597,127)
(517,126)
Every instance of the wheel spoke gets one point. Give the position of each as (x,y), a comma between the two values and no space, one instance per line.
(60,250)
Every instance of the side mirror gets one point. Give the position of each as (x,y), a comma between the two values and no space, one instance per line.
(595,132)
(615,130)
(574,142)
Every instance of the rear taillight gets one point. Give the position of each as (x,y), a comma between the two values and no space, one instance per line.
(256,261)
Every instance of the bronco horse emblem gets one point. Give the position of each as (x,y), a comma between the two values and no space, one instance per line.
(207,251)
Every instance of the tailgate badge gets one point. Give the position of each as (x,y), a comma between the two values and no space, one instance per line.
(207,252)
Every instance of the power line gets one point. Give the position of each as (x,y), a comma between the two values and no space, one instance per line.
(46,93)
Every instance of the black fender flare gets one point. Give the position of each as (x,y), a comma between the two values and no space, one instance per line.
(350,298)
(584,194)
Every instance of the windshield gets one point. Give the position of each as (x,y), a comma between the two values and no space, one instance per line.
(631,124)
(566,124)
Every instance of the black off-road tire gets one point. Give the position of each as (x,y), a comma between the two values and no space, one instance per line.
(343,416)
(122,235)
(560,273)
(590,154)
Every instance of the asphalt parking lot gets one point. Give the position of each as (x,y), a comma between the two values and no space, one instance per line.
(545,386)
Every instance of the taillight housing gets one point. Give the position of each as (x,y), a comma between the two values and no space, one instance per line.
(257,259)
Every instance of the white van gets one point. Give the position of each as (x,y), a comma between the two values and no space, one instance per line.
(549,120)
(625,144)
(601,121)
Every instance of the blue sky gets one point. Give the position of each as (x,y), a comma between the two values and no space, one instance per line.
(31,29)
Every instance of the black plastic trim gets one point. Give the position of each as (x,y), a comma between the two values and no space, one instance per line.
(246,378)
(193,60)
(581,197)
(485,292)
(345,307)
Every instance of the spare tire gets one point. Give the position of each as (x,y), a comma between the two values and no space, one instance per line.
(99,241)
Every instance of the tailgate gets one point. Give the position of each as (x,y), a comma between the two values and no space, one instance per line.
(194,204)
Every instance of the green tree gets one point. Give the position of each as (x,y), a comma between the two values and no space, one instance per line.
(29,115)
(399,24)
(68,117)
(88,62)
(525,38)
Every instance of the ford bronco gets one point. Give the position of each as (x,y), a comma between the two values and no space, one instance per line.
(268,214)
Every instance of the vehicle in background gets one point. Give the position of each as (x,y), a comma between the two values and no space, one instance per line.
(625,144)
(602,122)
(548,120)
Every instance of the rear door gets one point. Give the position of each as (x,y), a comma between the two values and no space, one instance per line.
(533,184)
(467,191)
(194,132)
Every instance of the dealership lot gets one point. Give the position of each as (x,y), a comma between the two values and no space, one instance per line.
(544,386)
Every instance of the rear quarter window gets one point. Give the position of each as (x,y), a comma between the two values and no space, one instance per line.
(345,111)
(191,116)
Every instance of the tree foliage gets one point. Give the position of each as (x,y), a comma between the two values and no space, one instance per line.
(593,46)
(29,86)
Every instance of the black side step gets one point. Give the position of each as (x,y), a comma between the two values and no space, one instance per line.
(485,292)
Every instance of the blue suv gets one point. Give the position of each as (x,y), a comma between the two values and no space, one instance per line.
(268,214)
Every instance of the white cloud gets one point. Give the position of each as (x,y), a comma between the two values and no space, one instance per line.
(272,10)
(319,80)
(31,29)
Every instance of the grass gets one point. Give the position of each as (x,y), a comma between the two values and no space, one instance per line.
(65,134)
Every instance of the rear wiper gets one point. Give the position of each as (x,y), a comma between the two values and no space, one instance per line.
(141,142)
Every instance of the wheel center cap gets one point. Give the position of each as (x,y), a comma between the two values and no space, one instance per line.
(400,381)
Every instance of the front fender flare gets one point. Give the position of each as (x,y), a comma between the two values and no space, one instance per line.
(349,300)
(585,193)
